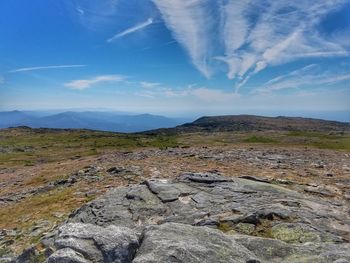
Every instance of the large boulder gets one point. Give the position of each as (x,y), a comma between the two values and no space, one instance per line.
(80,243)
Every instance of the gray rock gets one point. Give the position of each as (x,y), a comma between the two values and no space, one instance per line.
(89,243)
(207,178)
(168,191)
(257,179)
(322,190)
(28,255)
(179,214)
(67,255)
(276,251)
(172,242)
(223,200)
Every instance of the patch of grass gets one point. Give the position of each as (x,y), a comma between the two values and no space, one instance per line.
(334,141)
(342,144)
(163,142)
(321,135)
(4,251)
(38,207)
(259,139)
(27,147)
(320,140)
(24,214)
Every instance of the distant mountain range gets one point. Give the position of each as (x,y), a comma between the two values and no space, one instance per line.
(148,123)
(94,120)
(248,123)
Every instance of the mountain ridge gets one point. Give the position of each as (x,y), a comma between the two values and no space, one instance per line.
(246,123)
(93,120)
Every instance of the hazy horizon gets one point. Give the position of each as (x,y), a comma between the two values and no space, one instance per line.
(343,116)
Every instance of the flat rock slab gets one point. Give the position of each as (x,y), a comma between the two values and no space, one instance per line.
(172,242)
(219,202)
(204,218)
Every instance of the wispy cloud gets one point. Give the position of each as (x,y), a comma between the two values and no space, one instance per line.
(293,73)
(282,32)
(213,95)
(80,10)
(304,77)
(82,84)
(94,15)
(251,35)
(131,30)
(45,67)
(203,94)
(192,24)
(158,91)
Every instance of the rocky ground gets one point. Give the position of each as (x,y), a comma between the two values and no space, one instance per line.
(290,188)
(292,202)
(201,217)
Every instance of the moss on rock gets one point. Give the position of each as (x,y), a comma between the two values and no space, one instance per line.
(295,233)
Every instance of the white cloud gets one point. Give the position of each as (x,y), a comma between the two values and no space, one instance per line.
(82,84)
(148,85)
(249,35)
(156,90)
(80,10)
(45,67)
(146,94)
(191,22)
(131,30)
(235,25)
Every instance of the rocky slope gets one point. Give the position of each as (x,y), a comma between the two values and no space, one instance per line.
(201,217)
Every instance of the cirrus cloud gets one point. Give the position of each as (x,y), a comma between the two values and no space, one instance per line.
(131,30)
(45,67)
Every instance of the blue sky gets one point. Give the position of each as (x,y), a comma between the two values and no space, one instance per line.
(175,56)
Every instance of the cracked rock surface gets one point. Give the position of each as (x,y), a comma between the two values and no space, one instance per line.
(203,217)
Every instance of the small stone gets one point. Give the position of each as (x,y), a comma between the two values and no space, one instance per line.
(58,214)
(67,255)
(9,232)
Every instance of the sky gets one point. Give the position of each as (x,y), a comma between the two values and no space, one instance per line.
(175,56)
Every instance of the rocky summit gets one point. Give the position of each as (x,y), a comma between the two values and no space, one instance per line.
(201,217)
